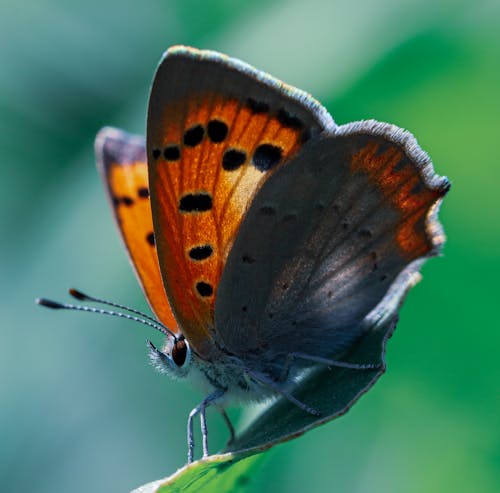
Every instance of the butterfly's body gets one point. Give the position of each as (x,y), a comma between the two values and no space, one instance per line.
(266,238)
(229,375)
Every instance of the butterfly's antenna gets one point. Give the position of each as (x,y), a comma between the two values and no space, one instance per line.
(82,308)
(85,297)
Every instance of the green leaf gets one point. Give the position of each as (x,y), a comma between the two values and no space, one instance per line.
(217,473)
(331,390)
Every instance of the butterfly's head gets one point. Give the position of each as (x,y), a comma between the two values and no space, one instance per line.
(175,357)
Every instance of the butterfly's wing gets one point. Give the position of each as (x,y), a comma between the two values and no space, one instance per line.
(325,239)
(217,129)
(121,160)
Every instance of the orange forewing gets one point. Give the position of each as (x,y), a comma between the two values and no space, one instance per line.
(405,189)
(199,169)
(128,189)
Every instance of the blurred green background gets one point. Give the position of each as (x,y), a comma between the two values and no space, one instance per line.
(81,410)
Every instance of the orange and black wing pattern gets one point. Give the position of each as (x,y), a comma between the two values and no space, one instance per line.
(404,175)
(217,129)
(121,159)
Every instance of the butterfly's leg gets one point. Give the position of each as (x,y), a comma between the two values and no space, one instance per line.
(268,382)
(286,367)
(201,409)
(230,426)
(190,433)
(328,362)
(290,357)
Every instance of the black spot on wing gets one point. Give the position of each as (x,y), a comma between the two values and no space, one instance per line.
(288,120)
(127,201)
(194,135)
(172,153)
(266,156)
(257,106)
(217,131)
(195,202)
(143,192)
(233,159)
(204,289)
(200,252)
(267,210)
(150,238)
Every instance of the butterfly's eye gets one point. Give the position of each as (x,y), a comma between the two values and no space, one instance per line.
(180,352)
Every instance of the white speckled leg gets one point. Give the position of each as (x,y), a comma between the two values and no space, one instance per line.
(201,409)
(324,361)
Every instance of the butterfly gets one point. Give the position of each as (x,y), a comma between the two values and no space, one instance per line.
(262,233)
